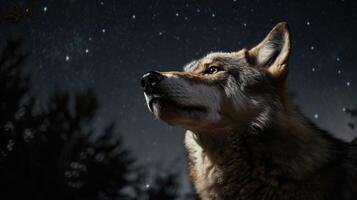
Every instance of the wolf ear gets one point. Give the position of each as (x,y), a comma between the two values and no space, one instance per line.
(273,52)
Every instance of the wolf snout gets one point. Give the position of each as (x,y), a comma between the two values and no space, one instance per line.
(151,80)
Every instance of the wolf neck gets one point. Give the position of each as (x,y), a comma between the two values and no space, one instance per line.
(222,163)
(269,152)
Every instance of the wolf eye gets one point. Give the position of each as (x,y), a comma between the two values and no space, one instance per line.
(212,70)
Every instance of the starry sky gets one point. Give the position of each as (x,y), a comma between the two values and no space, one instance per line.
(108,45)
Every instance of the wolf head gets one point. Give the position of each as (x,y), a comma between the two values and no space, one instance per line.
(223,90)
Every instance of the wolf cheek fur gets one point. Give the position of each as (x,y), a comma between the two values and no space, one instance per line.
(245,139)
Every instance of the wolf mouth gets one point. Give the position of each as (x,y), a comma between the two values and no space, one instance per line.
(166,102)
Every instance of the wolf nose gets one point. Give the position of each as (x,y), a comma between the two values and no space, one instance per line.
(150,80)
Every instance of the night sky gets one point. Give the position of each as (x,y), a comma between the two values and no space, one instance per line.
(108,45)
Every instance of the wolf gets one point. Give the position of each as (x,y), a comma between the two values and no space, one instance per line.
(245,138)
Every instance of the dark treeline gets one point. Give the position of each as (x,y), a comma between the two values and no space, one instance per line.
(53,151)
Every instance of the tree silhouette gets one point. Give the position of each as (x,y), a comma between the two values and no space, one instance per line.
(54,152)
(164,186)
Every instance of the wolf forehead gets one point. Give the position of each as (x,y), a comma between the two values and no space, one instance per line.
(227,59)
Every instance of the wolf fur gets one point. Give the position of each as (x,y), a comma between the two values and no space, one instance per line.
(245,139)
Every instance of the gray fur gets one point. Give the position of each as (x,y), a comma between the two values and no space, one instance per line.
(258,145)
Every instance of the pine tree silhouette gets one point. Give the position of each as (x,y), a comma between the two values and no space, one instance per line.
(51,153)
(54,151)
(164,187)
